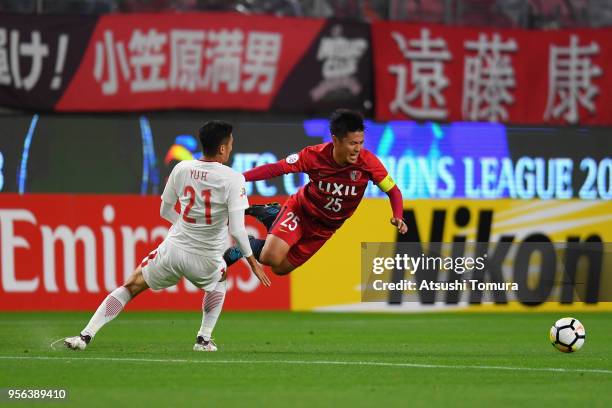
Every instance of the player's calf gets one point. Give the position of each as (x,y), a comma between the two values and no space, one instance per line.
(212,305)
(110,308)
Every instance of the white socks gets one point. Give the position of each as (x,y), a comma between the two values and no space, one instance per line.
(211,309)
(108,310)
(114,303)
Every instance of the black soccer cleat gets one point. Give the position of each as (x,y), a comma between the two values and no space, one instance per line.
(266,213)
(232,255)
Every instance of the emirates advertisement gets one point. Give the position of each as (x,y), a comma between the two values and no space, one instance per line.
(66,252)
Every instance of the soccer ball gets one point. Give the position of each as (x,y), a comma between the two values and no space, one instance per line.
(567,335)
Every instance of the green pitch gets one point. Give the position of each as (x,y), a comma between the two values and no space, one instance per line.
(306,359)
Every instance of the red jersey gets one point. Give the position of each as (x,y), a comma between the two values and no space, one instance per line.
(334,191)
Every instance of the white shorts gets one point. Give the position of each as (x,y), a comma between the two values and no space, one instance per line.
(167,264)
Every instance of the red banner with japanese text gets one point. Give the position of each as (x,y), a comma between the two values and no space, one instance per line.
(192,60)
(39,55)
(445,73)
(66,252)
(135,62)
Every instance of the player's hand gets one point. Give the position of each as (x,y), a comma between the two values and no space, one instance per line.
(261,275)
(258,271)
(400,224)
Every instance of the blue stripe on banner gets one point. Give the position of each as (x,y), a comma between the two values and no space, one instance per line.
(23,169)
(150,172)
(145,157)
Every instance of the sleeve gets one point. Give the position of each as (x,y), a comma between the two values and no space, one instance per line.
(264,172)
(170,194)
(397,202)
(237,196)
(298,162)
(294,163)
(380,175)
(238,232)
(167,212)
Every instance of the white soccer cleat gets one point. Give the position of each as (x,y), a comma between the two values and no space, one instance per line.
(76,342)
(202,345)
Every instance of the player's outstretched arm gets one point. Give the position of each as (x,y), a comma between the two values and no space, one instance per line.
(265,172)
(294,163)
(386,184)
(383,180)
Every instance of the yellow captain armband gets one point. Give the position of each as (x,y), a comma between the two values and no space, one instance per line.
(386,184)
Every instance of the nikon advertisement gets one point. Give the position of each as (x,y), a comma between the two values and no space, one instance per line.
(464,255)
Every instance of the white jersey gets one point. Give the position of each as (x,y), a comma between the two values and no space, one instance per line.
(207,192)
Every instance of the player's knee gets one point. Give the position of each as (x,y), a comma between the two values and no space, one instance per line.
(274,251)
(269,258)
(281,270)
(272,257)
(284,268)
(136,283)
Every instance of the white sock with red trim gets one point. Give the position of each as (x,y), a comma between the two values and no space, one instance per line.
(211,309)
(108,310)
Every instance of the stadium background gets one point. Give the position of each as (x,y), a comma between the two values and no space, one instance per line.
(96,114)
(493,117)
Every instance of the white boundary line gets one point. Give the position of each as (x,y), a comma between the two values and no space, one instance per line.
(316,362)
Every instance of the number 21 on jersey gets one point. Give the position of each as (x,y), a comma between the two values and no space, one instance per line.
(191,194)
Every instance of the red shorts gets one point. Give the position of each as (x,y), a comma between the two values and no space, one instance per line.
(304,236)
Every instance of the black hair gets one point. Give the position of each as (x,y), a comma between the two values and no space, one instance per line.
(213,134)
(344,121)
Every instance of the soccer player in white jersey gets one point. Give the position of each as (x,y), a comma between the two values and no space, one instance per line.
(209,193)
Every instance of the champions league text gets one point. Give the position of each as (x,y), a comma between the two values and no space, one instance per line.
(471,177)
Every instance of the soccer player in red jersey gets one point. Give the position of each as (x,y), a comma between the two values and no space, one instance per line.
(339,173)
